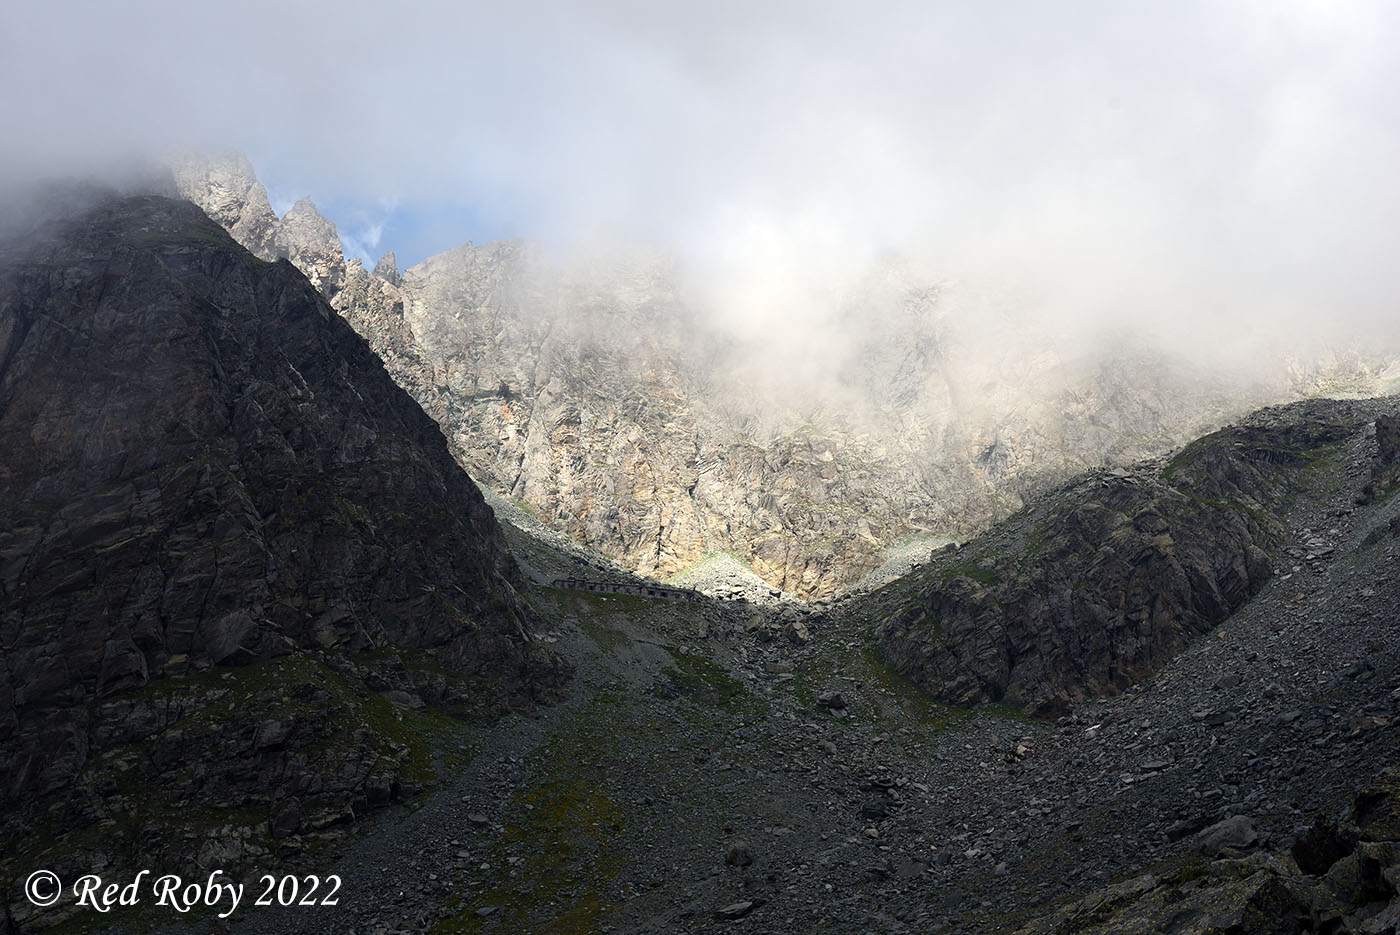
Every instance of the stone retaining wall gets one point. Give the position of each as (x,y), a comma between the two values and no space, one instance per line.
(619,587)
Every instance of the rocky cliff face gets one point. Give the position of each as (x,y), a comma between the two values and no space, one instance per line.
(209,485)
(231,195)
(603,398)
(1090,588)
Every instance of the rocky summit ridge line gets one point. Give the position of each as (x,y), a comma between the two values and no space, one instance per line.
(604,398)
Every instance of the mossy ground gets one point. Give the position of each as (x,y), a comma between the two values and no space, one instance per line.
(557,852)
(525,508)
(616,777)
(855,666)
(710,686)
(973,570)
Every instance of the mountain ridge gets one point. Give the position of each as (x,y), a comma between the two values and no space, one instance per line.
(608,402)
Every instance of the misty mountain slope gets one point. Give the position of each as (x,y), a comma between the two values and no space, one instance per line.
(579,399)
(1092,586)
(617,402)
(229,546)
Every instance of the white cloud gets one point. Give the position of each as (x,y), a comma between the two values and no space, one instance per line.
(363,240)
(1187,163)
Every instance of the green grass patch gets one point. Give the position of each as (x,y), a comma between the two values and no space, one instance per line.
(709,684)
(971,570)
(525,508)
(608,638)
(553,865)
(714,555)
(912,701)
(563,834)
(1004,712)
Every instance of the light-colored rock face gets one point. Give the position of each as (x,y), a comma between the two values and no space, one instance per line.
(311,243)
(605,399)
(387,268)
(228,191)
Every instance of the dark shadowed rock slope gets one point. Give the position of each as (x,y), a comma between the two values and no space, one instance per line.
(1090,588)
(226,538)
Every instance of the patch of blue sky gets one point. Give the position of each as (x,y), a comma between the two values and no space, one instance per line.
(369,227)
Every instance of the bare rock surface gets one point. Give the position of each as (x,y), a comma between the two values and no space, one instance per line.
(223,532)
(603,395)
(1089,588)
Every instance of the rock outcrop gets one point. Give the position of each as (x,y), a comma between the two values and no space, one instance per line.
(387,269)
(1337,877)
(223,528)
(1385,468)
(1088,589)
(231,194)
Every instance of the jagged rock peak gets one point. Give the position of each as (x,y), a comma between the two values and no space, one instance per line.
(387,268)
(600,393)
(225,186)
(309,240)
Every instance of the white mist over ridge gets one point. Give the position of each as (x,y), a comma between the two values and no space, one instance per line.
(901,266)
(612,391)
(1220,169)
